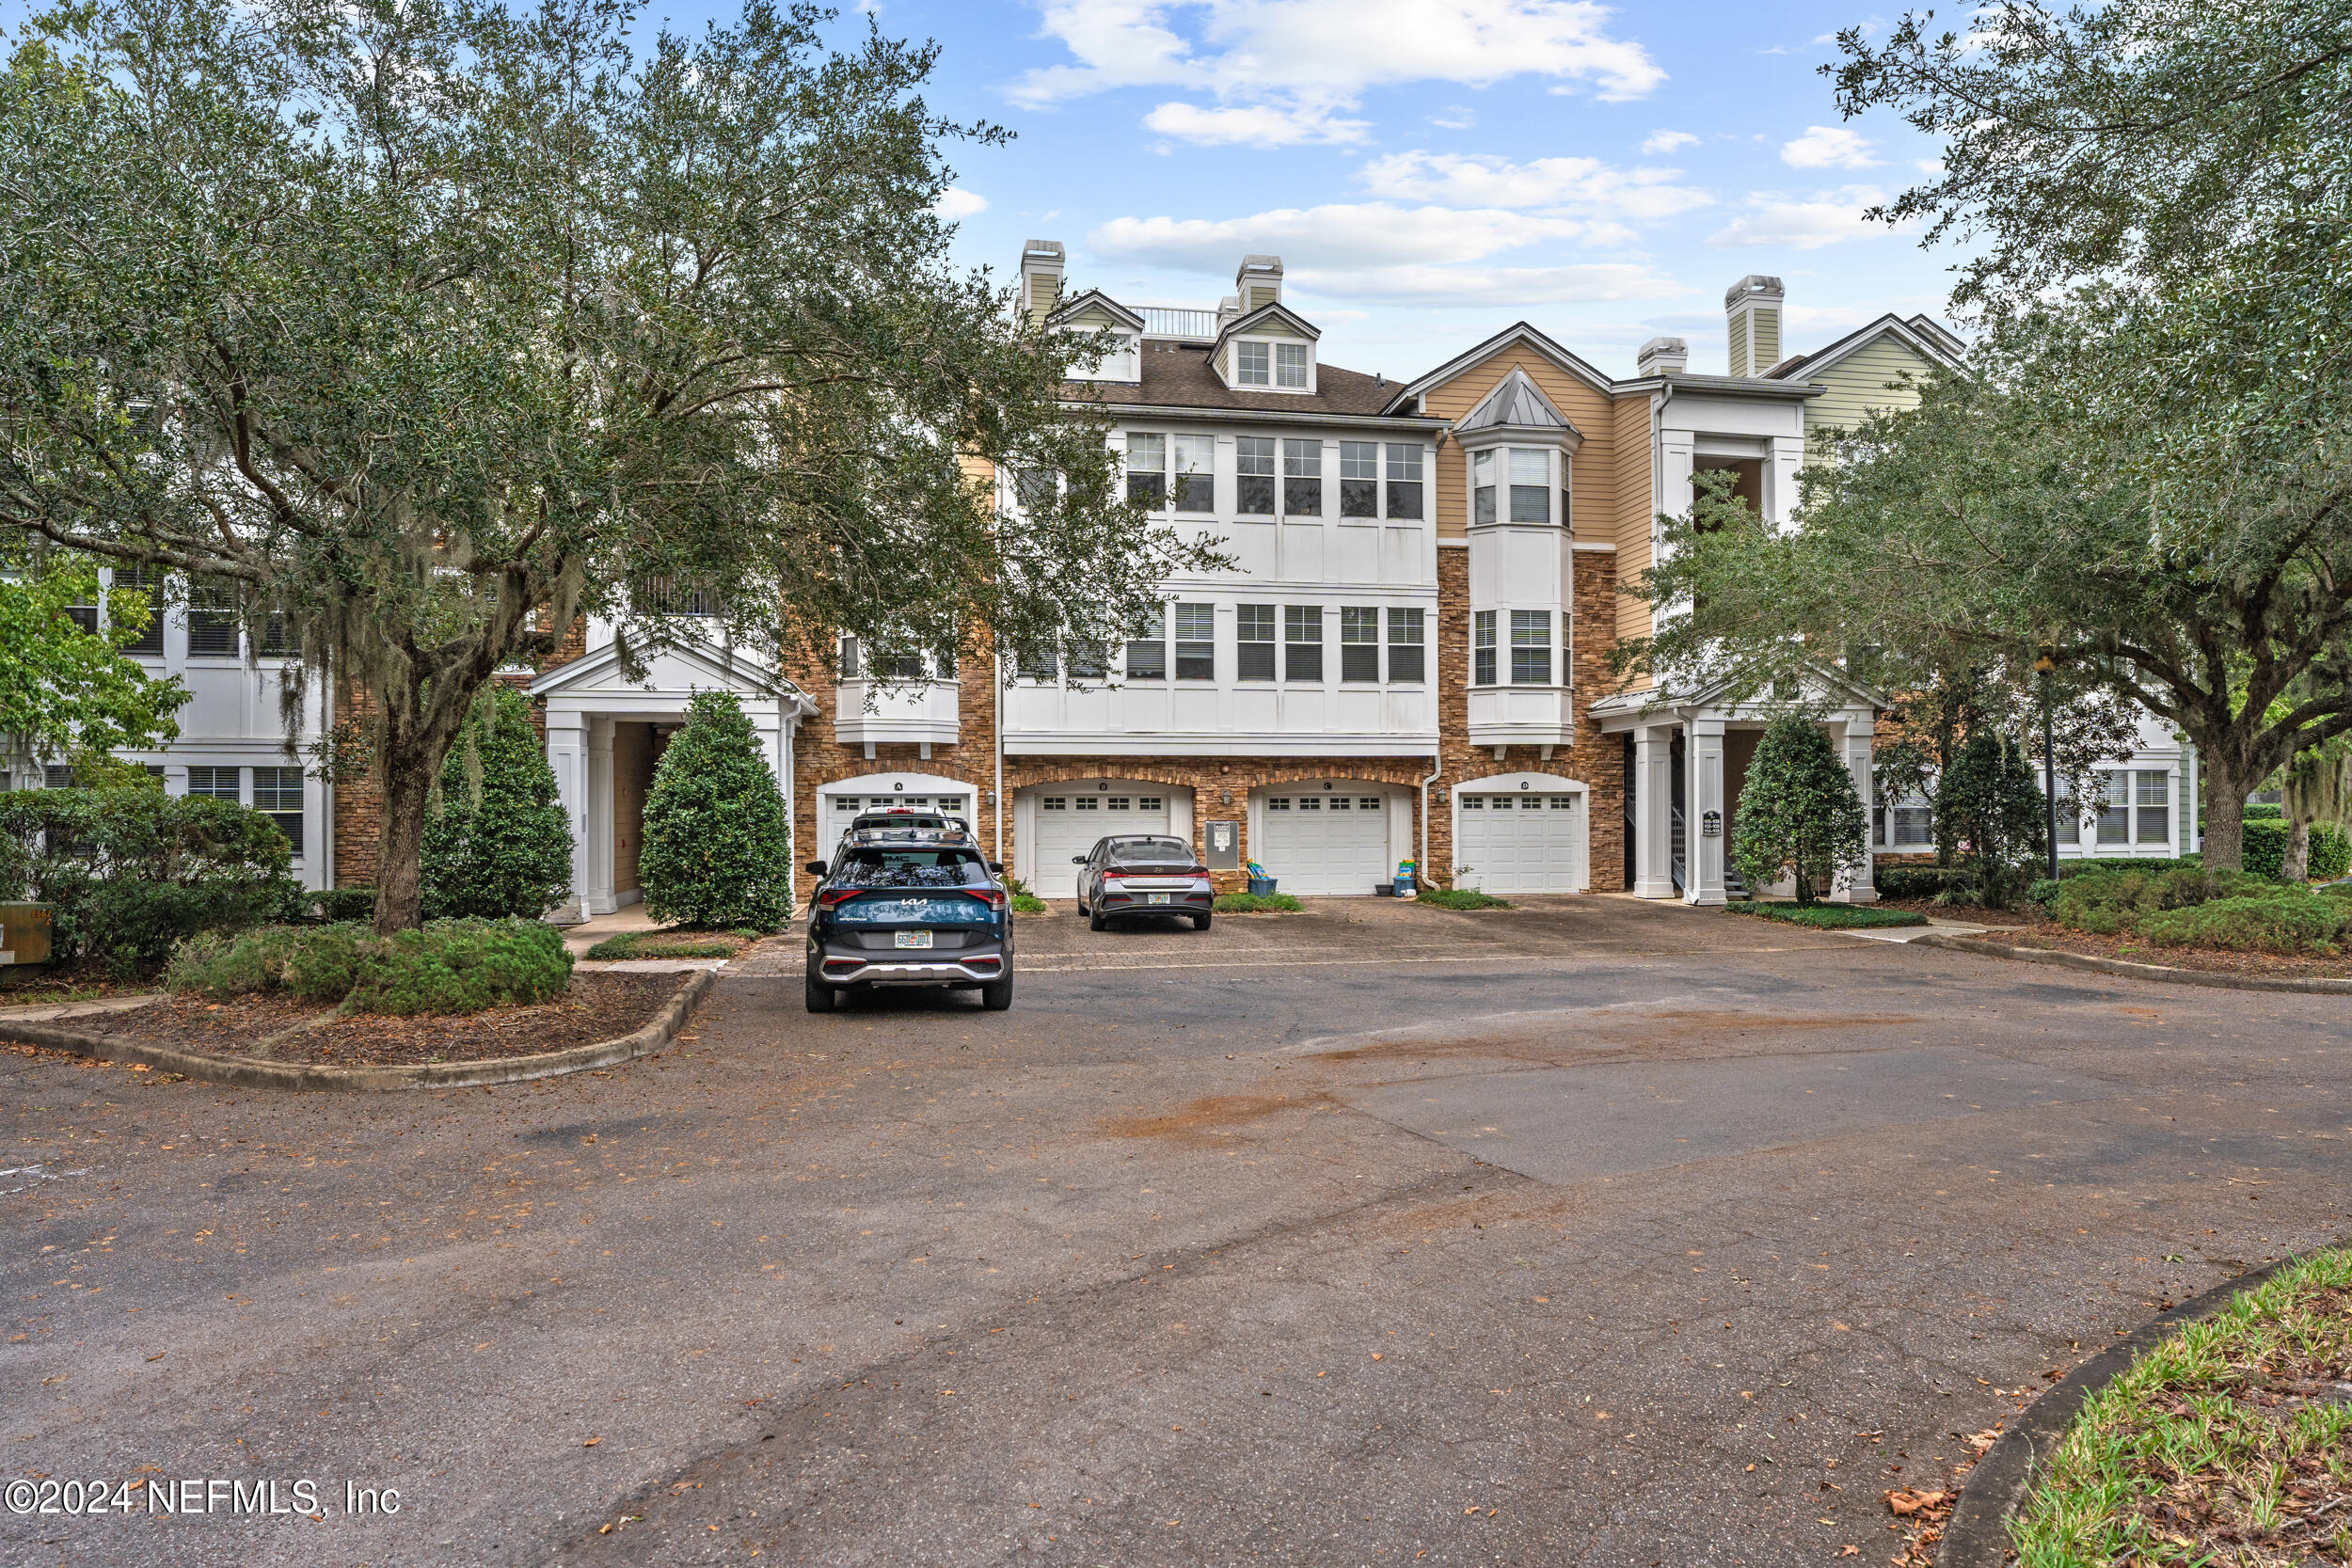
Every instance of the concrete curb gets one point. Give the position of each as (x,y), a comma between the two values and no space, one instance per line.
(426,1075)
(2137,972)
(1978,1533)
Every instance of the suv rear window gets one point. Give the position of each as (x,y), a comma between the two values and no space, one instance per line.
(887,866)
(1151,851)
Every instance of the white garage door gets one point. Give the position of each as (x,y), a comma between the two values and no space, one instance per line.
(1326,844)
(1069,821)
(1521,842)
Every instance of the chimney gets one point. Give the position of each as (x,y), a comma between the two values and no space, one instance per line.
(1259,282)
(1752,307)
(1663,356)
(1228,311)
(1041,277)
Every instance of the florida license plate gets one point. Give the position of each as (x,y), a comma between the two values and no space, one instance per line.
(912,939)
(1158,898)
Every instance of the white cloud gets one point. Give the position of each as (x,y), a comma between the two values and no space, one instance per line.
(1662,143)
(1829,147)
(1312,61)
(1455,116)
(1803,223)
(1254,124)
(1509,288)
(955,203)
(1585,188)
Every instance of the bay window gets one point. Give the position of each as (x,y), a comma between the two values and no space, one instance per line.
(1531,484)
(1482,487)
(1530,647)
(1482,647)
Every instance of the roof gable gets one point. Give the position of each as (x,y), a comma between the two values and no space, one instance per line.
(1097,300)
(1273,310)
(1518,332)
(1924,338)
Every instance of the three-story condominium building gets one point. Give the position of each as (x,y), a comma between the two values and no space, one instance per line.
(1408,660)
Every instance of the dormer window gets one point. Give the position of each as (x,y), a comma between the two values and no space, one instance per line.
(1250,364)
(1282,365)
(1290,366)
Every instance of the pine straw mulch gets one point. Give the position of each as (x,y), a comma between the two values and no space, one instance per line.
(597,1007)
(2030,925)
(2230,1443)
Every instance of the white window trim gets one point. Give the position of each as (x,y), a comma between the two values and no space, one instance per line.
(1561,469)
(1269,384)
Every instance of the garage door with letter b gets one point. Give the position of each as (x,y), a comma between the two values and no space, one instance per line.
(1069,821)
(1326,844)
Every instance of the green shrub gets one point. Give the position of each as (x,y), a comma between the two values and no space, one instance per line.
(2264,848)
(1988,799)
(449,966)
(2041,891)
(2259,811)
(1918,881)
(1462,898)
(2282,921)
(716,851)
(2125,863)
(345,903)
(2105,902)
(498,842)
(1028,903)
(461,966)
(1799,811)
(2332,854)
(661,944)
(129,873)
(1256,903)
(1830,917)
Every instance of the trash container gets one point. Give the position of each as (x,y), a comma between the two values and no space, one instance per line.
(1262,887)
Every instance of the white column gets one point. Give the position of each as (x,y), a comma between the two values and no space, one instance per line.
(600,899)
(1861,888)
(568,754)
(1653,808)
(1703,758)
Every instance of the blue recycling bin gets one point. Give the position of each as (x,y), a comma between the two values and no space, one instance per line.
(1260,887)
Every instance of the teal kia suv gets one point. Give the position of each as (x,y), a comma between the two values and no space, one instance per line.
(903,905)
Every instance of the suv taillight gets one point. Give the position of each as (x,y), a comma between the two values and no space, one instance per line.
(994,900)
(835,896)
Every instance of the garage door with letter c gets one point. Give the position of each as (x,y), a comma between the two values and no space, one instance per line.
(1319,842)
(1524,841)
(1070,820)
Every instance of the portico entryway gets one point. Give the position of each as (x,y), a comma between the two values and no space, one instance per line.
(605,735)
(1685,761)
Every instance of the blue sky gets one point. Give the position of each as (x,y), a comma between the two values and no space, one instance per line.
(1432,170)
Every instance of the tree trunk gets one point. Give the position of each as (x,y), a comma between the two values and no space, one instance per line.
(2225,789)
(406,778)
(2296,865)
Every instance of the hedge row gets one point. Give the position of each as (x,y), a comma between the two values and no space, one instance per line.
(2190,907)
(447,966)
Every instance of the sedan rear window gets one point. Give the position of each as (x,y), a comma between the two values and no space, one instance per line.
(1151,851)
(910,867)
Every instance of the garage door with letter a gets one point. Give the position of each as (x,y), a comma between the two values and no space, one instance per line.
(1326,844)
(1524,841)
(1069,822)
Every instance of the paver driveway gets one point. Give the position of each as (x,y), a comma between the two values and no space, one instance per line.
(1596,1233)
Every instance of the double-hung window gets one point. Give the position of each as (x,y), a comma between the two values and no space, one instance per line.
(1036,489)
(1147,648)
(1253,471)
(852,658)
(1302,478)
(1040,665)
(1482,647)
(1530,647)
(1290,366)
(1482,487)
(1407,659)
(211,618)
(1252,364)
(1359,644)
(1359,479)
(1253,635)
(1088,660)
(1531,484)
(1195,642)
(1404,481)
(1195,473)
(1910,825)
(1147,470)
(148,583)
(2152,801)
(277,794)
(2115,808)
(1302,642)
(221,783)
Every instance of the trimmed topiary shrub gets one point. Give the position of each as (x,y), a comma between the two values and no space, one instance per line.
(449,966)
(128,873)
(1989,800)
(2285,920)
(716,832)
(1798,813)
(2331,853)
(497,842)
(2264,848)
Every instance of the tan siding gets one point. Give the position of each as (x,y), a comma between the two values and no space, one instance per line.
(1273,329)
(1860,382)
(1593,498)
(1767,340)
(1092,316)
(1632,517)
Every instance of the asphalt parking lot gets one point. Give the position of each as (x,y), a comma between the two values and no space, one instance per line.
(1590,1233)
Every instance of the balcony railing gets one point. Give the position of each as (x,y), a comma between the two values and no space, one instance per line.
(1169,320)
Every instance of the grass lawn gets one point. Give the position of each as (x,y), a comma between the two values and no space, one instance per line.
(1829,917)
(1462,898)
(2229,1442)
(673,944)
